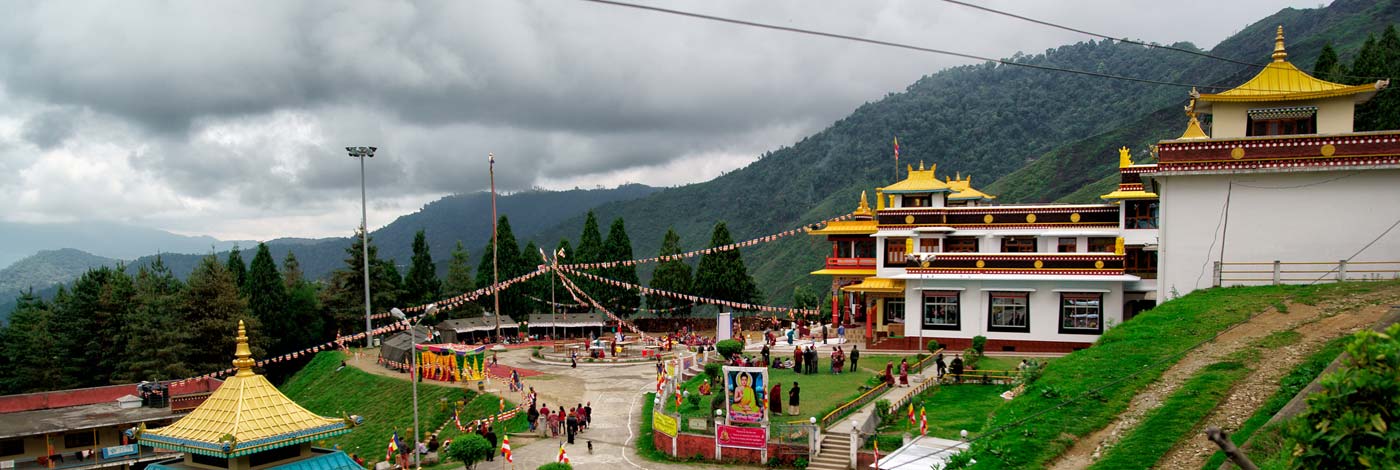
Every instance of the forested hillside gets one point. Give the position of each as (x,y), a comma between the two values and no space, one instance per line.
(1027,135)
(42,271)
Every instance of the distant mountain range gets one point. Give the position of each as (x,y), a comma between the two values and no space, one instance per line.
(106,239)
(1025,135)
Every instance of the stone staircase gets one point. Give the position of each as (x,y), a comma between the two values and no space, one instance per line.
(835,453)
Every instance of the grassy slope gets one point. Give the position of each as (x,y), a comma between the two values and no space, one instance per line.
(1164,426)
(384,402)
(1082,392)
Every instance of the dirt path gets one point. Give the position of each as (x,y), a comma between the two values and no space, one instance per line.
(1319,320)
(1251,392)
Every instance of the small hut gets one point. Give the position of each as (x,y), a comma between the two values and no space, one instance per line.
(572,325)
(396,348)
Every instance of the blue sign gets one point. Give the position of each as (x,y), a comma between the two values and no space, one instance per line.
(119,451)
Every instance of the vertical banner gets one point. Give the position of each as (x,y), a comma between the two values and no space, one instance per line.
(747,396)
(723,329)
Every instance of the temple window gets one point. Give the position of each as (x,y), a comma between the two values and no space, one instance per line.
(1140,262)
(79,440)
(865,249)
(1009,311)
(894,252)
(921,200)
(1140,214)
(1068,245)
(1081,313)
(1018,245)
(1102,244)
(1282,121)
(928,245)
(894,311)
(10,447)
(941,310)
(960,245)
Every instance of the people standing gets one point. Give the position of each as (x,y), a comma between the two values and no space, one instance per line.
(490,438)
(587,414)
(904,372)
(764,352)
(798,362)
(823,333)
(775,398)
(793,398)
(532,416)
(571,426)
(957,368)
(942,366)
(855,357)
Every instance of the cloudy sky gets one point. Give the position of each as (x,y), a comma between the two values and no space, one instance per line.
(230,118)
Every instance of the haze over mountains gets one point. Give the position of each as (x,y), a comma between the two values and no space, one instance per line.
(1024,135)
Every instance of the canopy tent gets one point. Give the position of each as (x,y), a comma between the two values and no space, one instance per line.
(470,330)
(567,325)
(395,349)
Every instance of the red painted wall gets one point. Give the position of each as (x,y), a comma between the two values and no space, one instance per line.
(690,445)
(94,395)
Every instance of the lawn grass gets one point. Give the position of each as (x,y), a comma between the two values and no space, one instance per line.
(821,392)
(950,410)
(385,403)
(1082,392)
(1164,426)
(646,447)
(1289,386)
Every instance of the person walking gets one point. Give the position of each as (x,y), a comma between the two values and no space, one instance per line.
(571,426)
(823,333)
(764,352)
(855,357)
(942,366)
(490,436)
(532,416)
(587,414)
(794,396)
(904,372)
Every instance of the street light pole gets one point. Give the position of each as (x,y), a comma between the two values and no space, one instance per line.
(495,245)
(413,372)
(362,153)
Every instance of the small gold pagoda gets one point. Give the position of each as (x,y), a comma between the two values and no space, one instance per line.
(247,424)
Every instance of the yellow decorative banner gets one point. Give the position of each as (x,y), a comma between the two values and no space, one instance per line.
(664,423)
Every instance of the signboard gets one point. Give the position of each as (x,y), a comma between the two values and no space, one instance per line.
(119,451)
(723,328)
(746,394)
(665,423)
(700,424)
(747,438)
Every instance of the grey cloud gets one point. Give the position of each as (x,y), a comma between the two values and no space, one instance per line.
(48,129)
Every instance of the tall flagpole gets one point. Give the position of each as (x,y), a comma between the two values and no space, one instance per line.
(495,273)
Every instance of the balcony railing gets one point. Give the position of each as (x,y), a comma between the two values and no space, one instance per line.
(1017,263)
(850,263)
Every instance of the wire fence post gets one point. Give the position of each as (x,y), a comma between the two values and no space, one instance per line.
(1215,275)
(1341,270)
(1278,272)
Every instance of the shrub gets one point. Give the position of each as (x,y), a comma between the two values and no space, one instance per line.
(882,408)
(555,466)
(693,399)
(712,370)
(970,359)
(801,463)
(729,347)
(1352,422)
(469,449)
(933,347)
(979,344)
(716,403)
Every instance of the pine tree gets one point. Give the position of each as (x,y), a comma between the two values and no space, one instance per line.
(722,274)
(291,270)
(590,250)
(344,296)
(1382,59)
(509,264)
(672,275)
(159,338)
(459,272)
(1327,66)
(538,287)
(618,247)
(88,323)
(29,348)
(422,285)
(238,269)
(212,309)
(266,293)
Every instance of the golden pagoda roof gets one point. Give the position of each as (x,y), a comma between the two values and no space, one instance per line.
(877,285)
(1281,81)
(245,415)
(963,190)
(844,272)
(1119,194)
(847,227)
(918,181)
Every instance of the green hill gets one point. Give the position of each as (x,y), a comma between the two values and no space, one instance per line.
(1027,135)
(44,270)
(385,403)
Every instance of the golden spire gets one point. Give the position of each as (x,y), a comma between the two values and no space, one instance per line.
(244,361)
(1125,158)
(921,165)
(879,200)
(1279,53)
(1193,127)
(864,207)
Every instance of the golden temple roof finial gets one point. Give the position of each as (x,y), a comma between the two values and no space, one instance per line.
(959,178)
(921,165)
(244,356)
(1193,127)
(1125,157)
(1279,53)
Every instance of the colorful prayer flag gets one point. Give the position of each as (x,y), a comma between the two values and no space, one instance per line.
(505,448)
(923,422)
(563,456)
(393,447)
(911,413)
(896,150)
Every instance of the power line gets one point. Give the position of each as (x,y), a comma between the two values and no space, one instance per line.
(911,47)
(1125,40)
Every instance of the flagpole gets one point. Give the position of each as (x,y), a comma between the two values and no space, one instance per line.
(495,274)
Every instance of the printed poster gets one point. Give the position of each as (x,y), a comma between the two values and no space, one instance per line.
(665,423)
(734,436)
(747,394)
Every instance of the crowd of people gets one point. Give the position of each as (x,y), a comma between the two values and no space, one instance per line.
(552,423)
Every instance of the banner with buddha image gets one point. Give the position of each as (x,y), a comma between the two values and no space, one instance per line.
(746,394)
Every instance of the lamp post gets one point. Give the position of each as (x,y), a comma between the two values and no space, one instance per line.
(413,371)
(363,153)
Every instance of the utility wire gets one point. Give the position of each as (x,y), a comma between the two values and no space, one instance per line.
(1129,41)
(1358,252)
(911,47)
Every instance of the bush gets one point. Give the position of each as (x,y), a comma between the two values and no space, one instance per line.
(1352,422)
(979,344)
(469,449)
(970,359)
(716,403)
(801,463)
(555,466)
(728,348)
(693,399)
(882,408)
(933,347)
(713,370)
